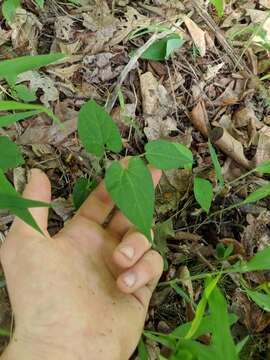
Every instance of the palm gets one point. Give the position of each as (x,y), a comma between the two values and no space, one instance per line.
(64,291)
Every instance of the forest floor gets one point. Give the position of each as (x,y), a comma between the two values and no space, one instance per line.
(218,79)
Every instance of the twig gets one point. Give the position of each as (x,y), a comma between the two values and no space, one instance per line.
(130,65)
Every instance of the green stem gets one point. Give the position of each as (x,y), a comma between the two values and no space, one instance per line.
(202,276)
(241,177)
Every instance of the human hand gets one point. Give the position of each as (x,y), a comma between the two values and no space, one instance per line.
(84,293)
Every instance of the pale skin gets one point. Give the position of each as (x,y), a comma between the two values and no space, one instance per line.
(84,293)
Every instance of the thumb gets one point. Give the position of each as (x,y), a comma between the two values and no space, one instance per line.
(38,188)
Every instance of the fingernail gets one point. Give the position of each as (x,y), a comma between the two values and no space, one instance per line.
(130,279)
(128,251)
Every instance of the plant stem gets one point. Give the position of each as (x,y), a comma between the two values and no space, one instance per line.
(202,276)
(241,177)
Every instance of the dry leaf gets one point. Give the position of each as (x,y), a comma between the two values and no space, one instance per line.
(212,71)
(99,68)
(197,34)
(262,18)
(263,149)
(43,82)
(157,107)
(265,3)
(230,146)
(254,318)
(63,208)
(256,235)
(25,30)
(64,28)
(4,36)
(44,134)
(199,118)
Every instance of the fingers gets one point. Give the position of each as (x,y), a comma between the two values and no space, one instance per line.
(133,246)
(119,224)
(97,206)
(39,189)
(146,272)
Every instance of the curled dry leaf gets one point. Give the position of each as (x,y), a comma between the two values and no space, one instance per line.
(197,34)
(199,118)
(230,146)
(230,96)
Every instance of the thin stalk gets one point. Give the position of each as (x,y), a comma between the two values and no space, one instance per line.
(201,276)
(241,177)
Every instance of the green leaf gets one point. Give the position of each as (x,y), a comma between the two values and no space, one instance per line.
(81,190)
(165,155)
(174,42)
(162,49)
(203,191)
(263,167)
(24,93)
(4,332)
(12,118)
(10,154)
(222,339)
(201,308)
(216,164)
(241,344)
(261,299)
(10,69)
(143,355)
(132,190)
(205,326)
(10,196)
(219,5)
(261,261)
(14,201)
(228,251)
(258,194)
(9,8)
(14,105)
(97,129)
(40,3)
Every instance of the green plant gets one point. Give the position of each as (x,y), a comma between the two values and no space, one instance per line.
(10,152)
(219,6)
(162,49)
